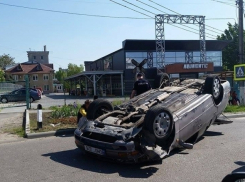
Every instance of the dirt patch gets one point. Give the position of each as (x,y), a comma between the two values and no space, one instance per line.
(8,122)
(51,124)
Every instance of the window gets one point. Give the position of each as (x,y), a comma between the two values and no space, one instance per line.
(137,56)
(45,77)
(46,87)
(107,64)
(41,57)
(35,77)
(15,77)
(34,57)
(59,87)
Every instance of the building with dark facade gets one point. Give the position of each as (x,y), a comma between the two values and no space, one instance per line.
(114,73)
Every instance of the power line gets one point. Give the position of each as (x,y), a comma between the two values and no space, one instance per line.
(71,13)
(220,19)
(153,14)
(164,7)
(222,2)
(179,14)
(139,7)
(131,9)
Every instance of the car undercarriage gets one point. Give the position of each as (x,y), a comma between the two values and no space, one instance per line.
(149,126)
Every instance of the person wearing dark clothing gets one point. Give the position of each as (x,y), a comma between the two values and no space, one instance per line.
(230,99)
(235,99)
(140,86)
(83,110)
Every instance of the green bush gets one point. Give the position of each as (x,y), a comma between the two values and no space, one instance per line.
(65,111)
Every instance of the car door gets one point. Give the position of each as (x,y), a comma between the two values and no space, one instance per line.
(14,96)
(195,116)
(22,95)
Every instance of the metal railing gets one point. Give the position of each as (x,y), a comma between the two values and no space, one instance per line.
(6,87)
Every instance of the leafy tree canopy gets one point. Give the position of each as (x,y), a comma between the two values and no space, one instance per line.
(6,60)
(74,69)
(2,75)
(61,75)
(231,52)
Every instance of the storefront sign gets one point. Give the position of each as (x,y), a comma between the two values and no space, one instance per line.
(189,68)
(195,66)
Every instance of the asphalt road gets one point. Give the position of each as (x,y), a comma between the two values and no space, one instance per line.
(57,159)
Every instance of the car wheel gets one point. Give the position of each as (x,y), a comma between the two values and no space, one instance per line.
(213,86)
(31,99)
(4,100)
(98,108)
(159,121)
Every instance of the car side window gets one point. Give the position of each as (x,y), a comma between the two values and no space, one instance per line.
(23,92)
(16,92)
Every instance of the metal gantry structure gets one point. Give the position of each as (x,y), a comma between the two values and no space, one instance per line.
(178,19)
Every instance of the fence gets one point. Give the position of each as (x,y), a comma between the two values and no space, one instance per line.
(11,94)
(6,87)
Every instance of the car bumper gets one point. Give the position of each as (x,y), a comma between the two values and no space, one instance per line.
(119,151)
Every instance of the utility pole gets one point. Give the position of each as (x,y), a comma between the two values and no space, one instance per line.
(241,55)
(240,31)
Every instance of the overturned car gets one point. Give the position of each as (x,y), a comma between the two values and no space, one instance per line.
(149,126)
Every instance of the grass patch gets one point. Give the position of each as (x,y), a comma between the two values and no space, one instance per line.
(234,109)
(116,102)
(52,124)
(19,131)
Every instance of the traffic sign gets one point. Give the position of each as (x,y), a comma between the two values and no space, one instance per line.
(239,72)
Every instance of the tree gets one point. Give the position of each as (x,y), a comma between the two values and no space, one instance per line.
(231,52)
(2,75)
(6,60)
(74,69)
(60,75)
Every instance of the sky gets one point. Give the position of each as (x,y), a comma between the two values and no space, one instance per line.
(73,38)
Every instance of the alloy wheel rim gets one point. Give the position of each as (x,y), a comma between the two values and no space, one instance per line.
(216,88)
(161,124)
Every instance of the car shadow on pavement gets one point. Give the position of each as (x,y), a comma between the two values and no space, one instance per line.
(212,133)
(240,169)
(75,158)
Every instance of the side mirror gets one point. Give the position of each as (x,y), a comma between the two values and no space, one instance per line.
(234,177)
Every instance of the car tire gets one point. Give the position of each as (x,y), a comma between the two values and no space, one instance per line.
(159,122)
(213,86)
(4,100)
(96,108)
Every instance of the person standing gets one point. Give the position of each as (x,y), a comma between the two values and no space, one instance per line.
(83,110)
(140,86)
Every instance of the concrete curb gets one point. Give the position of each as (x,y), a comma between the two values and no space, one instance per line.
(51,133)
(30,135)
(234,115)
